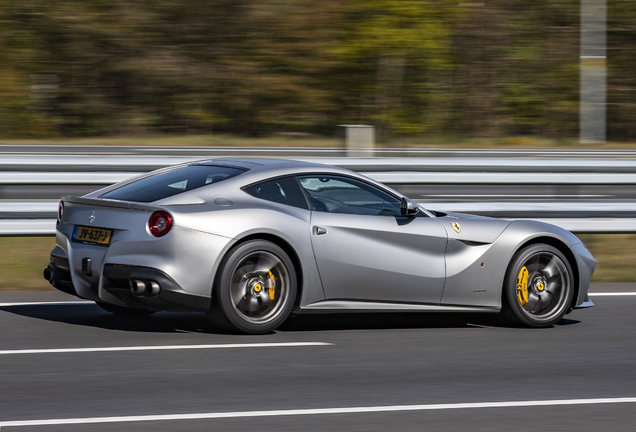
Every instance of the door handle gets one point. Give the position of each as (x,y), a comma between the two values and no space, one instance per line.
(319,230)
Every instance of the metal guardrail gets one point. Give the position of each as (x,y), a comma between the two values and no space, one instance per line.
(36,167)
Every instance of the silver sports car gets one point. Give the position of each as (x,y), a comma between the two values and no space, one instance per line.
(250,241)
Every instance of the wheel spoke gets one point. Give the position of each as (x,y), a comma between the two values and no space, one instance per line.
(553,287)
(533,303)
(270,265)
(263,298)
(242,272)
(239,290)
(552,269)
(534,264)
(249,304)
(544,300)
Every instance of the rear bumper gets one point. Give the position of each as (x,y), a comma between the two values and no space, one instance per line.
(59,275)
(118,279)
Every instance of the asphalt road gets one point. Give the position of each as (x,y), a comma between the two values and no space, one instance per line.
(403,372)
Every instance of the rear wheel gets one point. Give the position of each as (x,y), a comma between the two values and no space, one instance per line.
(124,311)
(538,287)
(256,289)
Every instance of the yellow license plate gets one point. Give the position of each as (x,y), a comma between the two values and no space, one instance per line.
(92,235)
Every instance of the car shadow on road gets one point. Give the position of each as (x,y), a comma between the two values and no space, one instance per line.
(92,315)
(376,321)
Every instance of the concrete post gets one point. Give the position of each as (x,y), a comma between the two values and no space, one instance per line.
(359,140)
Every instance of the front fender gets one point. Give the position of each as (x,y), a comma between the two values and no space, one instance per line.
(476,271)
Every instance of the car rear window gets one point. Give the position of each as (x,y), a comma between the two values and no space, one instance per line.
(173,182)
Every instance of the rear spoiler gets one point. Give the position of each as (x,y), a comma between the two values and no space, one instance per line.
(109,203)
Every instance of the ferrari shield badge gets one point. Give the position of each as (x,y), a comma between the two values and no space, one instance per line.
(457,227)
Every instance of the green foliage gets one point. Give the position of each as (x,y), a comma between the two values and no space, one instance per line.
(392,48)
(409,67)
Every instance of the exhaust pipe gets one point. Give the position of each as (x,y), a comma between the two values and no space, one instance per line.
(49,275)
(140,288)
(152,288)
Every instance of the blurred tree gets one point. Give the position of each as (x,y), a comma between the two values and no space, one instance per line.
(390,58)
(19,113)
(121,67)
(621,79)
(517,70)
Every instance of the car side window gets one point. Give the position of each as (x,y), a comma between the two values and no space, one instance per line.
(282,190)
(336,194)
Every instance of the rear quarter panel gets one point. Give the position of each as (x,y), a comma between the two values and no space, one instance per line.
(249,217)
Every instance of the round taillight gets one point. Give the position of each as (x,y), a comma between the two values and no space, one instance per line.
(60,211)
(160,223)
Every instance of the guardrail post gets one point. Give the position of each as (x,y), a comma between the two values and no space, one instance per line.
(359,140)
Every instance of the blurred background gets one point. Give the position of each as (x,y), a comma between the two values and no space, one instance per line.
(426,73)
(502,68)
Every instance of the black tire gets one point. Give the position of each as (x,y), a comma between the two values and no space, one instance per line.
(124,311)
(255,290)
(549,283)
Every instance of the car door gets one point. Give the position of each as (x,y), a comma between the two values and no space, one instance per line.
(366,250)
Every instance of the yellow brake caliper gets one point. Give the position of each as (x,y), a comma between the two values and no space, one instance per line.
(522,286)
(271,289)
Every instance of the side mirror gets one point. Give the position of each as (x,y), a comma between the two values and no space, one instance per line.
(408,207)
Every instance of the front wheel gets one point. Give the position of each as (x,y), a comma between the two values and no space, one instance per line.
(538,288)
(256,289)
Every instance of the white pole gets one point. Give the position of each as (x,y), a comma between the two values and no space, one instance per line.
(593,72)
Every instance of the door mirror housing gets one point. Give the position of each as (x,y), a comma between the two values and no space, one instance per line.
(408,207)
